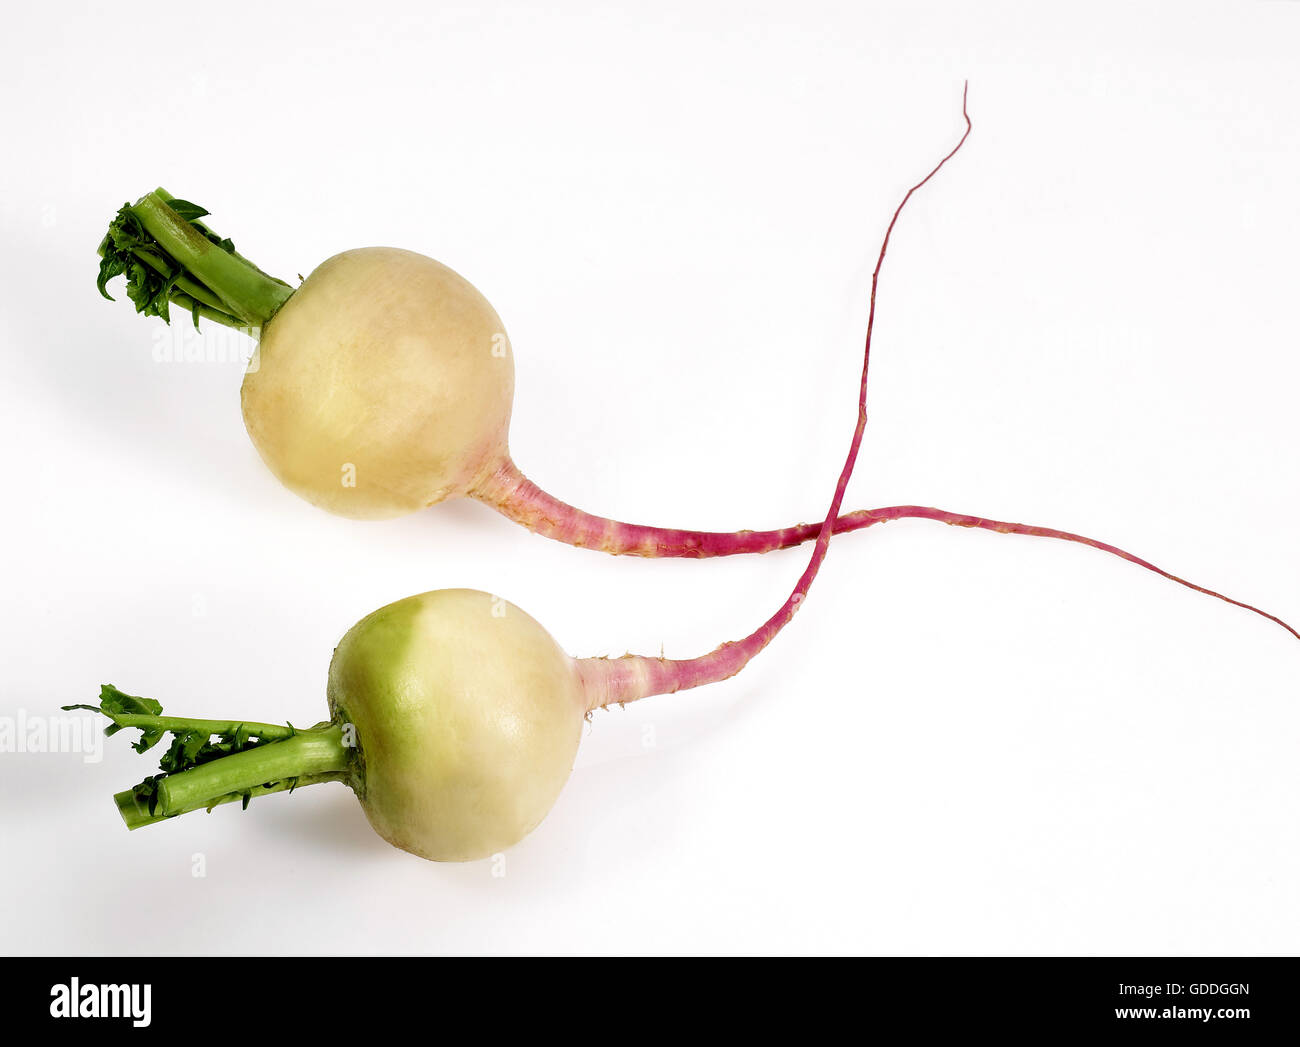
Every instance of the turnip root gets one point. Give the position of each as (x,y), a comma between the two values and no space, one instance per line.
(403,396)
(467,715)
(384,384)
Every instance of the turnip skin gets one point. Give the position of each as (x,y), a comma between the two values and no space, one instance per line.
(382,386)
(467,717)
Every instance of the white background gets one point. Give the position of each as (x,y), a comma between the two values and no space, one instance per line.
(966,743)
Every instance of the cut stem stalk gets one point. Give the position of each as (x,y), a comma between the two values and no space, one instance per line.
(135,812)
(308,753)
(244,290)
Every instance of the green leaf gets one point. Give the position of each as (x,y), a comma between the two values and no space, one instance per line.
(191,747)
(110,265)
(151,273)
(111,700)
(147,792)
(149,737)
(184,752)
(187,210)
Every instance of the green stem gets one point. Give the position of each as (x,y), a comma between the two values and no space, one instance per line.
(182,724)
(191,287)
(184,290)
(135,812)
(187,303)
(244,290)
(309,753)
(167,198)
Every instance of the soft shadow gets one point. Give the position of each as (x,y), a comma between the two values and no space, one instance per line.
(93,364)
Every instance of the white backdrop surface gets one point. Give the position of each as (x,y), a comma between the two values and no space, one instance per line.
(966,743)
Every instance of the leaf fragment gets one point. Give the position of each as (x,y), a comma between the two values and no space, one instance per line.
(187,210)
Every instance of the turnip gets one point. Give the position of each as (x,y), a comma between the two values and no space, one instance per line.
(454,716)
(384,384)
